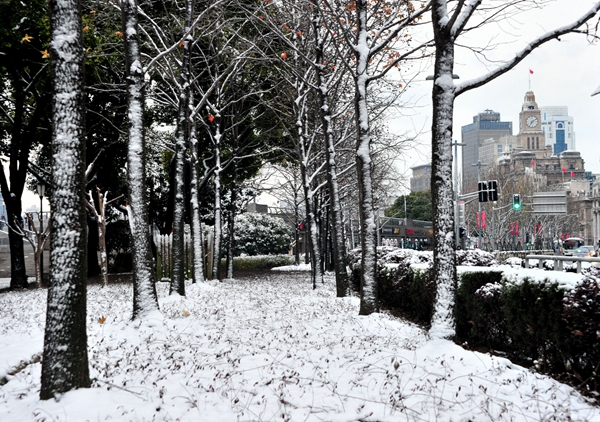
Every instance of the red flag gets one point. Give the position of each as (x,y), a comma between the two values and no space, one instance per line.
(477,220)
(572,174)
(483,225)
(533,163)
(530,72)
(564,170)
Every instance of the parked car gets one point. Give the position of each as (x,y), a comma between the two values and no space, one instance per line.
(584,251)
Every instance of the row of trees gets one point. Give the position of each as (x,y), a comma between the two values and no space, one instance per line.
(211,91)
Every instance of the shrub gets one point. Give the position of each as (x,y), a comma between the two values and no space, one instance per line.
(261,234)
(581,317)
(261,262)
(533,312)
(478,310)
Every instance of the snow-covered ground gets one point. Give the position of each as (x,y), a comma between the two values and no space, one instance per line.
(266,349)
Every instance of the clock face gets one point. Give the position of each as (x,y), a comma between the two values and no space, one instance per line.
(532,121)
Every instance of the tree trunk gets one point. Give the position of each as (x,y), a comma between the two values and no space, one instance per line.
(18,275)
(444,257)
(368,240)
(231,222)
(339,247)
(178,279)
(92,245)
(218,235)
(312,230)
(196,223)
(144,277)
(65,360)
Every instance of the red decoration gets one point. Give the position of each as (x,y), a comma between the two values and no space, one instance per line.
(284,55)
(564,170)
(572,174)
(211,118)
(530,72)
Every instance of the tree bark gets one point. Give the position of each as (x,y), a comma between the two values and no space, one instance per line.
(178,279)
(144,277)
(444,257)
(93,268)
(196,223)
(218,235)
(65,360)
(368,240)
(231,222)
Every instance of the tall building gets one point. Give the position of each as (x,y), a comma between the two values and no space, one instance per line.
(533,153)
(558,128)
(421,179)
(492,149)
(486,125)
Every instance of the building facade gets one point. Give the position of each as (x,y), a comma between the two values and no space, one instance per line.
(421,179)
(558,128)
(492,149)
(533,152)
(485,126)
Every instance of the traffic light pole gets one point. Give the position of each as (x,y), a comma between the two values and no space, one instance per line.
(479,165)
(456,228)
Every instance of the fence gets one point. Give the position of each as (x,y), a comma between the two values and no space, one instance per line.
(164,254)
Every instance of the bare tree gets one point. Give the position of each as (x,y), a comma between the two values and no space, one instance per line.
(369,30)
(65,360)
(144,278)
(100,216)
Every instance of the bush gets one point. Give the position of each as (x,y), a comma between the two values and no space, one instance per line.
(261,234)
(533,313)
(478,310)
(261,263)
(581,317)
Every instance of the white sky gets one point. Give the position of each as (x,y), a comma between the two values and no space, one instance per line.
(565,74)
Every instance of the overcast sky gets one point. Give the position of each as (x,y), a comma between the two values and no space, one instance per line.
(566,73)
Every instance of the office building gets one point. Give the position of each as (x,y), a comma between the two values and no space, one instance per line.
(558,128)
(486,125)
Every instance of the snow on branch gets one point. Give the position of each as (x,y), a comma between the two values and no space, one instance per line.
(555,34)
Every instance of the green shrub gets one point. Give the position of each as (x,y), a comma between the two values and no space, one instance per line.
(478,308)
(533,313)
(581,317)
(261,262)
(261,234)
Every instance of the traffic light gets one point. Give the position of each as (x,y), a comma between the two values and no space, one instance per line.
(516,202)
(483,193)
(492,190)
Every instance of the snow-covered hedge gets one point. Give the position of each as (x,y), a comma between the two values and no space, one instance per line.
(547,319)
(261,262)
(261,234)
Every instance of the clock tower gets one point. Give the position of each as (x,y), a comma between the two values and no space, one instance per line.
(531,137)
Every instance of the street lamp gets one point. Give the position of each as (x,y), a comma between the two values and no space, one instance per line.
(41,189)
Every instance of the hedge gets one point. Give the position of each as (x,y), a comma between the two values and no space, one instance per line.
(533,319)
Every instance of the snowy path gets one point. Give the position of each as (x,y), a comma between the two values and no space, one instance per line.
(266,349)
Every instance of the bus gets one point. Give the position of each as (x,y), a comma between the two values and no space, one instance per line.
(572,243)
